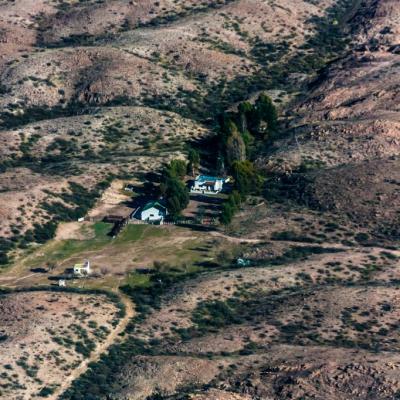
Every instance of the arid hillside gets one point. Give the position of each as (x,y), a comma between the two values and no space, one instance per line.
(297,296)
(344,138)
(47,336)
(96,89)
(351,113)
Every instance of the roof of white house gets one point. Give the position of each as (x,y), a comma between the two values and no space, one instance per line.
(207,178)
(84,265)
(153,204)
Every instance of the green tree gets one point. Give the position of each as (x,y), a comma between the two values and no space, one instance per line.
(44,232)
(174,206)
(247,180)
(177,196)
(245,110)
(230,207)
(265,111)
(194,162)
(220,164)
(226,213)
(176,169)
(248,139)
(235,200)
(172,187)
(235,147)
(161,266)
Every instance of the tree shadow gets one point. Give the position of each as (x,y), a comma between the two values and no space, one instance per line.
(39,270)
(206,199)
(66,277)
(207,264)
(197,228)
(208,158)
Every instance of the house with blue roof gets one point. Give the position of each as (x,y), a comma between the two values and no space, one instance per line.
(207,184)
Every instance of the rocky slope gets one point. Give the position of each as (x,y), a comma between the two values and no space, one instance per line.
(348,127)
(116,87)
(67,67)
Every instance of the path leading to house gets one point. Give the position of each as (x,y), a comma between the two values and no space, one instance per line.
(374,250)
(234,239)
(100,349)
(14,279)
(239,240)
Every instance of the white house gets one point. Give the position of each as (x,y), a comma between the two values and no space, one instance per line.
(207,184)
(153,212)
(82,269)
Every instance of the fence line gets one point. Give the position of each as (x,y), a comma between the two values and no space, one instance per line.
(126,221)
(179,222)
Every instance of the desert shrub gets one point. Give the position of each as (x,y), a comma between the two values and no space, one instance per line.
(248,349)
(113,133)
(44,232)
(215,314)
(388,255)
(361,237)
(85,347)
(92,324)
(3,337)
(265,52)
(149,297)
(36,113)
(83,198)
(63,146)
(46,391)
(301,252)
(5,247)
(291,236)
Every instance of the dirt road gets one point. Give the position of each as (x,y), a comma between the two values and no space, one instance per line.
(234,239)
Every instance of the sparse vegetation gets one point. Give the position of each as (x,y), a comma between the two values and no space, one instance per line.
(231,309)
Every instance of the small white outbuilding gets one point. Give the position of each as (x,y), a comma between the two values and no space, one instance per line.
(82,269)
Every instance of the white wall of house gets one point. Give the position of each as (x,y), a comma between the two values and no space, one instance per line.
(218,185)
(152,214)
(207,187)
(82,269)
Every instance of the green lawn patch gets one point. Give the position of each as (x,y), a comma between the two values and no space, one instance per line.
(133,233)
(135,279)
